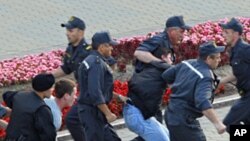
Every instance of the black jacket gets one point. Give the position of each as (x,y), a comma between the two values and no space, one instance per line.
(31,119)
(147,87)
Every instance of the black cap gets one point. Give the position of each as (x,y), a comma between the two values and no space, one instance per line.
(176,21)
(74,22)
(210,48)
(43,82)
(233,24)
(102,38)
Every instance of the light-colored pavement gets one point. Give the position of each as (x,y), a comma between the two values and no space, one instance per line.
(29,26)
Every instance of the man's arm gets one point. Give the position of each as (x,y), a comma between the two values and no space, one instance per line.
(210,114)
(96,95)
(145,56)
(44,124)
(58,72)
(202,95)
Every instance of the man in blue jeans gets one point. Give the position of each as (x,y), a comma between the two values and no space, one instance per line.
(145,91)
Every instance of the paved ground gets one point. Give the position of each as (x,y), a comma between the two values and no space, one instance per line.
(209,130)
(33,26)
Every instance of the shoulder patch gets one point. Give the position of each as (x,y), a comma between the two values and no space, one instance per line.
(89,47)
(98,59)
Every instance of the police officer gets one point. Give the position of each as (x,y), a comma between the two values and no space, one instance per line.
(169,38)
(32,120)
(77,50)
(96,86)
(240,62)
(193,83)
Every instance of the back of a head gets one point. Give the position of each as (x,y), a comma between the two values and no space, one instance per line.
(64,86)
(161,51)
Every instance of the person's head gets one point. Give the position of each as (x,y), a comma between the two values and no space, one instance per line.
(232,31)
(210,53)
(175,27)
(75,30)
(102,42)
(65,90)
(164,54)
(43,84)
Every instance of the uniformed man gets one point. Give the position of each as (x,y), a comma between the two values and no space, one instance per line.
(77,50)
(31,119)
(240,62)
(193,83)
(96,91)
(171,37)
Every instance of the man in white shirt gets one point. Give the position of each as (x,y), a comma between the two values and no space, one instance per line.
(64,96)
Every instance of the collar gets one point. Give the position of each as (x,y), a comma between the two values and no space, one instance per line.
(203,63)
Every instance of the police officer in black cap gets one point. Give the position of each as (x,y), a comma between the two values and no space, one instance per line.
(96,91)
(240,62)
(193,83)
(31,119)
(77,50)
(171,37)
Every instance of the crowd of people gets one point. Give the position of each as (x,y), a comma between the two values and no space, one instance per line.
(36,115)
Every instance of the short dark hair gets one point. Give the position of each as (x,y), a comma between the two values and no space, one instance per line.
(64,86)
(161,51)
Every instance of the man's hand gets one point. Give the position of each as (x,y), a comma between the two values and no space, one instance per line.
(111,117)
(8,113)
(221,128)
(122,98)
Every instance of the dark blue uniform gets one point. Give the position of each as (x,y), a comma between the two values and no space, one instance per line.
(72,60)
(96,87)
(192,92)
(151,45)
(240,62)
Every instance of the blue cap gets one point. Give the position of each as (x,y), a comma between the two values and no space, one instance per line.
(176,21)
(233,24)
(102,38)
(74,22)
(210,48)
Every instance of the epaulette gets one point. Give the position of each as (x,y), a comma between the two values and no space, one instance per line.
(89,47)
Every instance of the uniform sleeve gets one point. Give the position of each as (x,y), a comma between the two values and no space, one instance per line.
(65,66)
(95,80)
(169,75)
(150,44)
(3,111)
(44,124)
(203,93)
(246,54)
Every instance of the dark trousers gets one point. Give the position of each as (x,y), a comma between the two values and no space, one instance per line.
(186,133)
(95,124)
(73,124)
(239,113)
(190,130)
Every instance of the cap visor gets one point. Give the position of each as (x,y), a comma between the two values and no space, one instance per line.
(225,26)
(113,43)
(220,49)
(186,27)
(68,26)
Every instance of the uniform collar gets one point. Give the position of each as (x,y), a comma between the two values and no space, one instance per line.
(203,63)
(82,42)
(95,52)
(238,43)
